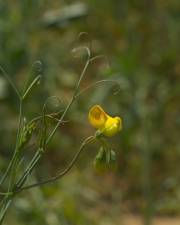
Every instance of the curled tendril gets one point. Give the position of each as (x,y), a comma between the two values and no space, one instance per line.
(37,66)
(100,57)
(84,34)
(85,48)
(97,83)
(34,75)
(117,88)
(57,105)
(86,37)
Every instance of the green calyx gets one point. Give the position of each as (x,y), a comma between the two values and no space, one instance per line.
(105,160)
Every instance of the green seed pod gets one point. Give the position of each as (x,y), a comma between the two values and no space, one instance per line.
(100,161)
(111,160)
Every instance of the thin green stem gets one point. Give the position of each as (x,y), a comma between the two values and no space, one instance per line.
(38,155)
(28,170)
(11,169)
(82,75)
(94,84)
(36,63)
(8,169)
(34,82)
(16,148)
(10,82)
(16,152)
(6,193)
(5,208)
(70,103)
(65,171)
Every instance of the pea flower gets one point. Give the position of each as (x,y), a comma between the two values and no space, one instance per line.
(106,124)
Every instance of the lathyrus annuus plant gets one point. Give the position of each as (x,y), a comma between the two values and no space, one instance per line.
(12,182)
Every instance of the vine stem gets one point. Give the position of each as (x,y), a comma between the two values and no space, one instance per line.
(64,172)
(16,148)
(70,103)
(6,201)
(8,198)
(38,154)
(5,208)
(6,76)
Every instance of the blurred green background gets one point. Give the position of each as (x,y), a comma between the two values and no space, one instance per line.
(140,42)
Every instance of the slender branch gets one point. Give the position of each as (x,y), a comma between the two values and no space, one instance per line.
(39,67)
(34,82)
(94,84)
(6,193)
(65,171)
(5,208)
(28,170)
(16,152)
(7,170)
(38,154)
(51,116)
(16,148)
(82,74)
(19,125)
(10,82)
(70,102)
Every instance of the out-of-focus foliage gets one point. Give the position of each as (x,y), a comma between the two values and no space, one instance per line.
(140,41)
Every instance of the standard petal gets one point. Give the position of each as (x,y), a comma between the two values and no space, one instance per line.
(97,117)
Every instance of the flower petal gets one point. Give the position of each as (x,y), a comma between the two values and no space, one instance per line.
(97,117)
(112,126)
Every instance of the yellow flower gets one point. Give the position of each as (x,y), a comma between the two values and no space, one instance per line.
(108,125)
